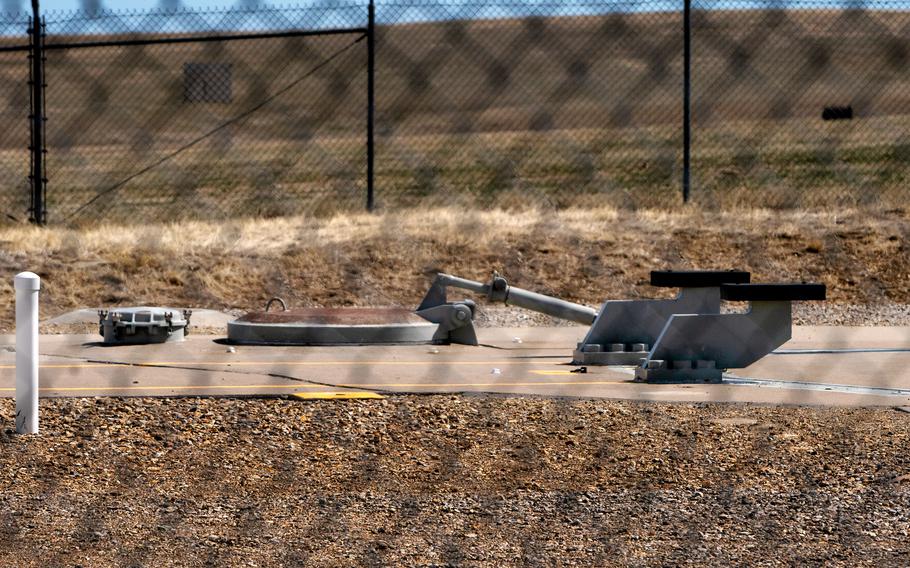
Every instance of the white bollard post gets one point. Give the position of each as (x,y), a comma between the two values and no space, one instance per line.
(27,286)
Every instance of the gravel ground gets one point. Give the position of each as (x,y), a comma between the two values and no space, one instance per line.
(884,314)
(453,481)
(804,313)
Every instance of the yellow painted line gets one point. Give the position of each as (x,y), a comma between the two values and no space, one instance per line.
(440,385)
(553,373)
(173,387)
(102,388)
(336,395)
(75,366)
(274,363)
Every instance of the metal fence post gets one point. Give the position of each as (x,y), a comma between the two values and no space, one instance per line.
(371,101)
(37,176)
(687,98)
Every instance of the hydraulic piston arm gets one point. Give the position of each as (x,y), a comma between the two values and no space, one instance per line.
(498,290)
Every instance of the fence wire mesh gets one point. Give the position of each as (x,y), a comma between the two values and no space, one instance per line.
(206,129)
(483,105)
(477,104)
(14,136)
(543,110)
(800,108)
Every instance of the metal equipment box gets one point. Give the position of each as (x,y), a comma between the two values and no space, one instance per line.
(139,325)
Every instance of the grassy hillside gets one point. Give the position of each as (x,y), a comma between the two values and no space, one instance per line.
(389,259)
(560,111)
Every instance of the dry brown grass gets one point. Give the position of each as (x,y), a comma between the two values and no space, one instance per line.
(447,226)
(388,259)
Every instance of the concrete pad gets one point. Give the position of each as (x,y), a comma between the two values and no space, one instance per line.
(62,378)
(841,337)
(883,370)
(77,365)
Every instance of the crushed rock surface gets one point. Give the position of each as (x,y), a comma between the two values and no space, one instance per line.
(804,313)
(452,481)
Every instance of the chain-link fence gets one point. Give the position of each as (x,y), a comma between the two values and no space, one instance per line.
(214,126)
(14,136)
(800,108)
(542,110)
(265,111)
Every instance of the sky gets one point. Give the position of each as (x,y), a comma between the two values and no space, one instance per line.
(94,5)
(455,9)
(115,4)
(99,16)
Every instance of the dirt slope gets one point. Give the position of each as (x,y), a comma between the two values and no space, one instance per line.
(389,259)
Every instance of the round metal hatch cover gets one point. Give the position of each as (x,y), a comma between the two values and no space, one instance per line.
(331,326)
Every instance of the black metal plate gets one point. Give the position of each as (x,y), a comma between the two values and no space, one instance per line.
(697,278)
(772,292)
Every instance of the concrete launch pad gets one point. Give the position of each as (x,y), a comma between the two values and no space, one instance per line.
(835,366)
(331,326)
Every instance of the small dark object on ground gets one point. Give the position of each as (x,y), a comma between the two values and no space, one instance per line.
(838,113)
(581,370)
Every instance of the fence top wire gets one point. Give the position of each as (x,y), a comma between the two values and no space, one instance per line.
(551,7)
(187,20)
(346,13)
